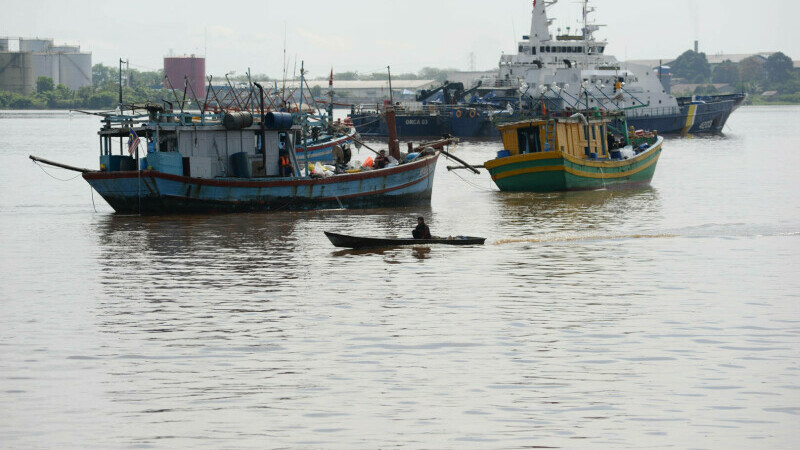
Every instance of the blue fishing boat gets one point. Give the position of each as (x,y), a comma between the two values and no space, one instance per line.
(320,148)
(233,161)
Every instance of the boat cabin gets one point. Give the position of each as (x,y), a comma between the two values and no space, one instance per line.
(576,135)
(228,145)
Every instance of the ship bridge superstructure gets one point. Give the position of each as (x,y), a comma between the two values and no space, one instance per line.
(576,68)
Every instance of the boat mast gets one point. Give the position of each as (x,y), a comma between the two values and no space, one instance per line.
(120,80)
(391,96)
(302,116)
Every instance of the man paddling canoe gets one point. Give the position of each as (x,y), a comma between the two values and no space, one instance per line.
(422,231)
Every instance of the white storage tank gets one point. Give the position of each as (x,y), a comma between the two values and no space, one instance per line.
(75,70)
(16,72)
(35,45)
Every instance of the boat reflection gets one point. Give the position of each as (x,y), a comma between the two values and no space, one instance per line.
(577,211)
(418,252)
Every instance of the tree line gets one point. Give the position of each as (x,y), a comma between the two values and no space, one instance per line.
(144,86)
(753,75)
(103,93)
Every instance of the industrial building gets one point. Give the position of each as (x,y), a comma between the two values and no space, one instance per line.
(193,68)
(22,61)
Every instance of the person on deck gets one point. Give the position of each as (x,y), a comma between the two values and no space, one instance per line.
(422,231)
(381,160)
(285,164)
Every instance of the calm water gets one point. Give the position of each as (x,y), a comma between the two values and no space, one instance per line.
(665,317)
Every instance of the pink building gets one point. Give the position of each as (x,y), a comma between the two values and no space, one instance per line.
(178,67)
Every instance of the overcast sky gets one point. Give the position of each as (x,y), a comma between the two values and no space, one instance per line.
(368,35)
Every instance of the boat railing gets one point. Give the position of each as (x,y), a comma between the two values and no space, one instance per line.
(176,119)
(500,83)
(426,109)
(650,112)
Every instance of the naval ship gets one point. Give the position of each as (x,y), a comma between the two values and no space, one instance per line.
(554,72)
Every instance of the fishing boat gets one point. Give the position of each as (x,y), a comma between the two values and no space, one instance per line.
(580,151)
(232,161)
(344,241)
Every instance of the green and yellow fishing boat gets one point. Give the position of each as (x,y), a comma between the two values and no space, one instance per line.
(583,151)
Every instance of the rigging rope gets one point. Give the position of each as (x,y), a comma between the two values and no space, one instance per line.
(476,186)
(54,177)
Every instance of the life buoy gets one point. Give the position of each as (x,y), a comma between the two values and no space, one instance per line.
(472,114)
(458,113)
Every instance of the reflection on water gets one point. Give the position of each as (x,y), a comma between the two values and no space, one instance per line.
(664,316)
(583,211)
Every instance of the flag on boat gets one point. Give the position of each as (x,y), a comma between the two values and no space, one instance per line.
(133,142)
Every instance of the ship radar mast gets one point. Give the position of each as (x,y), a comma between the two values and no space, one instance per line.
(588,29)
(540,25)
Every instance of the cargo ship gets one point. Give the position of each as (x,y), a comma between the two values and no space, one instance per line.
(557,72)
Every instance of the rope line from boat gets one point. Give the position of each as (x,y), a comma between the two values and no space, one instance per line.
(91,191)
(55,177)
(475,185)
(339,201)
(370,123)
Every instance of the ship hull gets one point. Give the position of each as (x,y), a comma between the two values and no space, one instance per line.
(701,118)
(152,192)
(556,171)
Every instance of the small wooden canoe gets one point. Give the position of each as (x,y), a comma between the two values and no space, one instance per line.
(341,240)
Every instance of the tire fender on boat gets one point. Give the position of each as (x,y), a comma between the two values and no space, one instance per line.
(458,113)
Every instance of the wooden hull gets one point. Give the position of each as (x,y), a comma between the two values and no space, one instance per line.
(557,171)
(151,192)
(344,241)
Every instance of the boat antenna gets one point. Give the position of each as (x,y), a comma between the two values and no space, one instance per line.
(172,88)
(302,116)
(185,87)
(120,80)
(235,97)
(283,89)
(263,125)
(194,95)
(391,94)
(213,92)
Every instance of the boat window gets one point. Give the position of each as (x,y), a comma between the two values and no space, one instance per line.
(541,49)
(528,140)
(547,49)
(533,50)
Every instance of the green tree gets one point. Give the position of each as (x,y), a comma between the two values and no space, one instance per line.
(705,90)
(102,75)
(692,66)
(778,68)
(432,73)
(150,79)
(726,72)
(346,76)
(44,84)
(751,70)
